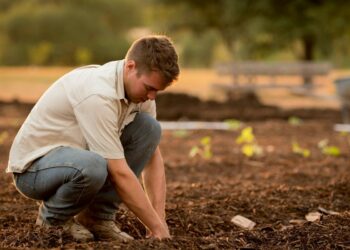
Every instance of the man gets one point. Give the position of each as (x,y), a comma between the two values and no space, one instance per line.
(89,137)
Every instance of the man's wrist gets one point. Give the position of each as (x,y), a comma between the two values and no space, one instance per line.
(161,213)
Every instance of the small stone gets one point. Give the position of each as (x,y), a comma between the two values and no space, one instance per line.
(297,222)
(243,222)
(313,216)
(284,228)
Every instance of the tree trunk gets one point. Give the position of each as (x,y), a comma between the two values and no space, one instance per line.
(308,42)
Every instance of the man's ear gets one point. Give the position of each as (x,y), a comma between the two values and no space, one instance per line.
(130,64)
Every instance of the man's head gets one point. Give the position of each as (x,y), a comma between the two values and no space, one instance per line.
(151,65)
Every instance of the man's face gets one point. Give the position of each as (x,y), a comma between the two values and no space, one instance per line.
(141,87)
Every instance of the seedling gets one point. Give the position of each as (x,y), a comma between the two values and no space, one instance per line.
(328,150)
(299,150)
(194,151)
(3,136)
(233,124)
(249,145)
(295,121)
(203,150)
(251,150)
(181,133)
(246,136)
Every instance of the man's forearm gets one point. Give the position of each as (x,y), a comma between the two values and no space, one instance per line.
(155,183)
(131,193)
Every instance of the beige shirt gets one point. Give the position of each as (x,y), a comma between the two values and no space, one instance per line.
(85,109)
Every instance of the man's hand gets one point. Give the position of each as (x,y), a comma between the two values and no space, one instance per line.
(155,185)
(149,234)
(164,234)
(132,194)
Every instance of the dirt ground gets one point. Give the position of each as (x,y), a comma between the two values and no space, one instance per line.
(204,194)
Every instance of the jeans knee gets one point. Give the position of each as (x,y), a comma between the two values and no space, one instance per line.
(94,170)
(149,126)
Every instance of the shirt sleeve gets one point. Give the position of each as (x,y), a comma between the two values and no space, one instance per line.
(97,117)
(150,108)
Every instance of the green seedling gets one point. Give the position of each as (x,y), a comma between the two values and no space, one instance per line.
(233,124)
(246,136)
(180,133)
(3,136)
(344,133)
(299,150)
(249,145)
(328,150)
(203,150)
(206,145)
(295,121)
(194,151)
(250,150)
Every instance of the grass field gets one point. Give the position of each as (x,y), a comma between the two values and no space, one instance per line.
(28,83)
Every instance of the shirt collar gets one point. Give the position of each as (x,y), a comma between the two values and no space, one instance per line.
(119,81)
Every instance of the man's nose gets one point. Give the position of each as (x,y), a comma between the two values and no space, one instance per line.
(152,95)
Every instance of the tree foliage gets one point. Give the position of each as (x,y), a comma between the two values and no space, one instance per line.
(65,32)
(311,29)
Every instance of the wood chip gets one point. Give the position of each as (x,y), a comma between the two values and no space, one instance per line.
(297,221)
(313,216)
(328,212)
(243,222)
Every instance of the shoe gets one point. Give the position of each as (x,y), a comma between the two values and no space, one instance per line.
(77,231)
(103,229)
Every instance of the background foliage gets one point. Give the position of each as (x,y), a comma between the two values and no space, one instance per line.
(66,32)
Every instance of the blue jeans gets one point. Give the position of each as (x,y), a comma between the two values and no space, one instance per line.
(69,180)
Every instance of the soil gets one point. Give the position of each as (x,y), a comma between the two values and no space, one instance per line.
(204,194)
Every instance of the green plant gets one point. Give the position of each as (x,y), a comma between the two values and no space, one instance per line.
(233,124)
(327,149)
(295,121)
(180,133)
(203,150)
(299,150)
(249,144)
(246,136)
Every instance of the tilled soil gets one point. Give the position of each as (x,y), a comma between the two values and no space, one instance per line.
(204,194)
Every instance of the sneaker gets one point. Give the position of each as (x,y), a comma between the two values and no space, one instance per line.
(77,231)
(103,229)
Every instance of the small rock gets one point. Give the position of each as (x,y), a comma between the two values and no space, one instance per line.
(313,216)
(243,222)
(283,228)
(297,222)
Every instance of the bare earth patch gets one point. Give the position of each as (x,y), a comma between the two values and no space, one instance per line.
(204,195)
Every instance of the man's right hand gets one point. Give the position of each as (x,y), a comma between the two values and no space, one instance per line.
(130,191)
(162,233)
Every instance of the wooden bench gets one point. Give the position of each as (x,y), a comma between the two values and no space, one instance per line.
(244,75)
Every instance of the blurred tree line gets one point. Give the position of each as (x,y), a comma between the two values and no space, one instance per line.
(71,32)
(267,29)
(65,32)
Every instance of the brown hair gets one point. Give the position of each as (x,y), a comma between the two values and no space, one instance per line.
(155,53)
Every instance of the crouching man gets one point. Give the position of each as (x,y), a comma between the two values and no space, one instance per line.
(88,139)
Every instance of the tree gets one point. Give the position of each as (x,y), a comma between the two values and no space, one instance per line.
(65,32)
(261,27)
